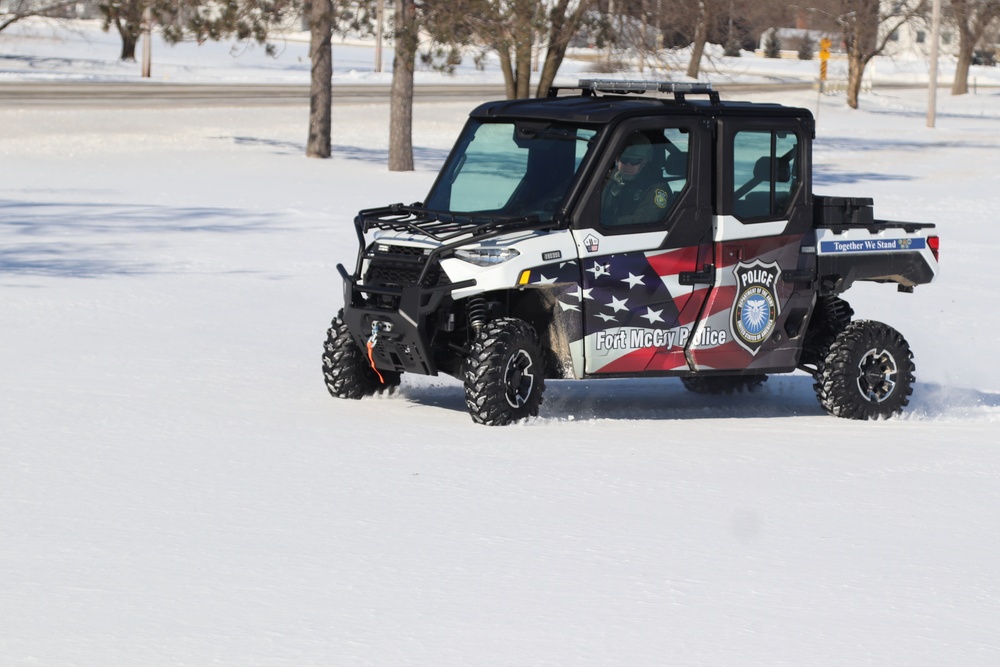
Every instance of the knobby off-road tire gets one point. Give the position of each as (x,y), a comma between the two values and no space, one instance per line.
(724,384)
(346,369)
(867,374)
(505,373)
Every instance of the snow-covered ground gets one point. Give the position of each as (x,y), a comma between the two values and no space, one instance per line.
(177,488)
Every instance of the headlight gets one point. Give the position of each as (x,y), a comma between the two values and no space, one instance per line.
(486,256)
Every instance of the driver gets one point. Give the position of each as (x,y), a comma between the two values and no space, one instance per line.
(635,192)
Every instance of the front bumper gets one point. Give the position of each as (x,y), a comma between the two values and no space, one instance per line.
(408,318)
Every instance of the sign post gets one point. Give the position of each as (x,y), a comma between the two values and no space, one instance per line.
(824,56)
(932,81)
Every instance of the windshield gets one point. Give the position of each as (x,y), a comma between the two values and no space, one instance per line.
(511,168)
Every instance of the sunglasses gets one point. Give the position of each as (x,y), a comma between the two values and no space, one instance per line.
(631,160)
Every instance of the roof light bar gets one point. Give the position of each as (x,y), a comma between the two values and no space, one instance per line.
(624,86)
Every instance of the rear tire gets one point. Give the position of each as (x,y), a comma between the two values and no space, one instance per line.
(867,374)
(830,317)
(505,373)
(346,369)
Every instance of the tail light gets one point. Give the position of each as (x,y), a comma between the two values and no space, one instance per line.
(934,243)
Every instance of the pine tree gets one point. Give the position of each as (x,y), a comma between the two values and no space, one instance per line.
(807,49)
(200,19)
(772,45)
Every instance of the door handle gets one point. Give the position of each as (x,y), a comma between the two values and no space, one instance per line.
(704,277)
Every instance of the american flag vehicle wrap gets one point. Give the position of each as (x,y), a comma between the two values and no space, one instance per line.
(632,313)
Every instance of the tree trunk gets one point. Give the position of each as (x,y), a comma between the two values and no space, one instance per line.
(700,38)
(972,19)
(507,67)
(866,32)
(401,96)
(128,47)
(559,33)
(514,48)
(320,86)
(126,17)
(561,30)
(550,68)
(861,41)
(129,39)
(960,86)
(855,73)
(524,66)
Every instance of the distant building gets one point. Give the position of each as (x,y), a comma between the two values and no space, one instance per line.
(792,39)
(911,40)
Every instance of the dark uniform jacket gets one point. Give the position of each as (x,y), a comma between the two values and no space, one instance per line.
(642,200)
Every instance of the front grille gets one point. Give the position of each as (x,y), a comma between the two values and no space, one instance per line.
(391,276)
(400,266)
(400,250)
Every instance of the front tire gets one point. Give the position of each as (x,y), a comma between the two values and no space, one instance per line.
(346,369)
(505,373)
(867,374)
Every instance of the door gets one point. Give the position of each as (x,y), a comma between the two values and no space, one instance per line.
(762,214)
(643,236)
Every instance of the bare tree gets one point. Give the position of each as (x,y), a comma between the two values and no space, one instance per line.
(633,25)
(321,80)
(506,27)
(401,96)
(700,38)
(646,25)
(511,29)
(16,10)
(510,32)
(867,26)
(972,18)
(563,24)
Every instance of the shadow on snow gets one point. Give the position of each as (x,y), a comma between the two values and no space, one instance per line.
(92,240)
(424,159)
(643,399)
(829,175)
(781,397)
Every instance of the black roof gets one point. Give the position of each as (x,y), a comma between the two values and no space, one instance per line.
(602,109)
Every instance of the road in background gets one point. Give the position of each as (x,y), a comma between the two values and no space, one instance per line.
(30,94)
(148,94)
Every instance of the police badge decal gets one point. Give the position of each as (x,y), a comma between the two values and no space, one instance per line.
(756,309)
(660,198)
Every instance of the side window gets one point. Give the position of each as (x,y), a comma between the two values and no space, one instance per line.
(675,160)
(643,183)
(765,173)
(582,146)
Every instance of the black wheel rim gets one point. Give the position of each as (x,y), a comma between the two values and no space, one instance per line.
(877,375)
(518,379)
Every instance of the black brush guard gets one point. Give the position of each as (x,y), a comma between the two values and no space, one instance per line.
(402,292)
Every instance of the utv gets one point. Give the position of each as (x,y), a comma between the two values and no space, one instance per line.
(624,229)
